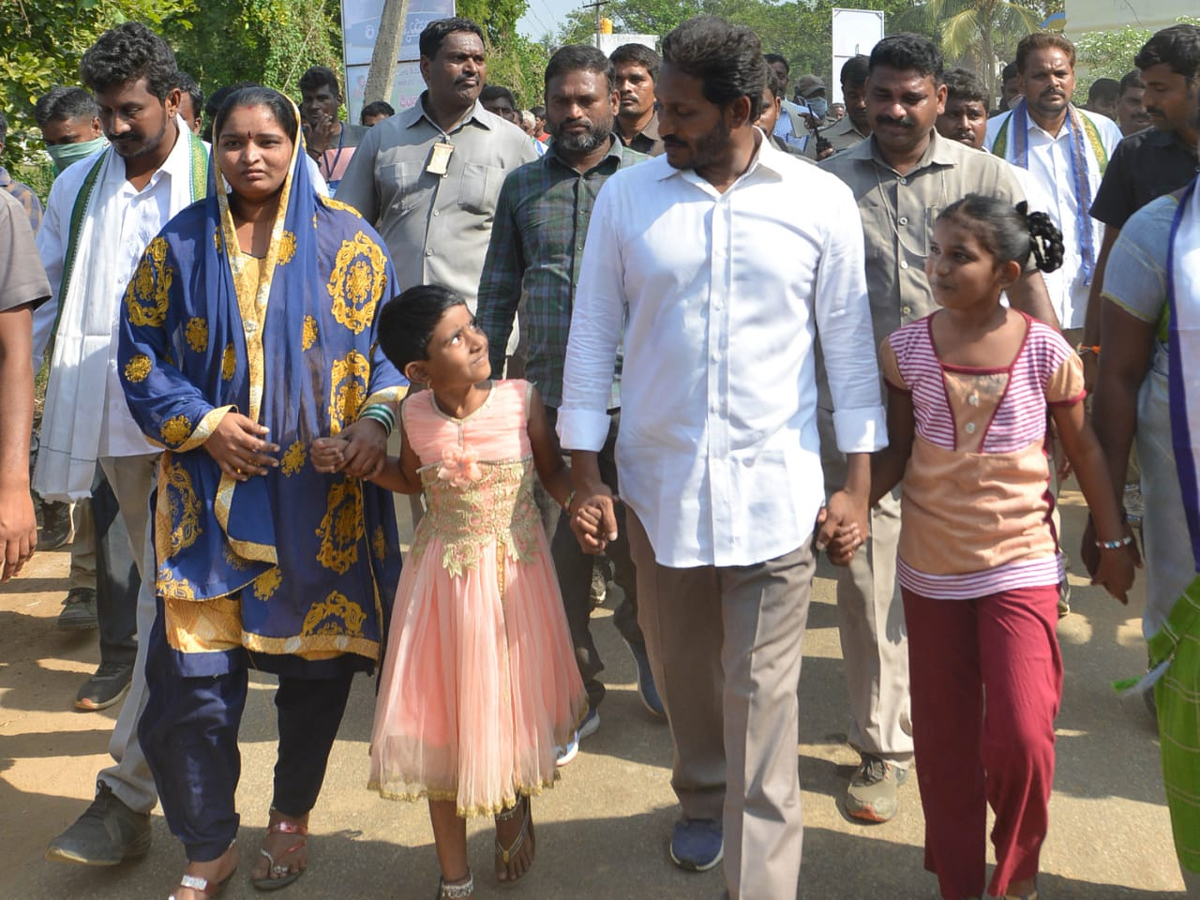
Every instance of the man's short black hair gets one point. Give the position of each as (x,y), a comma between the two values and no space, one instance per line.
(188,85)
(726,58)
(213,106)
(62,103)
(1104,90)
(1178,47)
(440,29)
(908,52)
(638,55)
(378,108)
(127,53)
(962,84)
(1130,80)
(1009,72)
(855,71)
(497,92)
(579,58)
(317,77)
(1044,40)
(773,58)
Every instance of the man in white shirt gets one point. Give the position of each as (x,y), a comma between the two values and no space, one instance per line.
(100,216)
(718,454)
(1065,150)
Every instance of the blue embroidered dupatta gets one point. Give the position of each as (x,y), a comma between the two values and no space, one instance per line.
(293,562)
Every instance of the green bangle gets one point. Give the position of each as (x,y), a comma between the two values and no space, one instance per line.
(567,503)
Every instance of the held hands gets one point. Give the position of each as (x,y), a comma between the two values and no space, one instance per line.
(360,450)
(240,447)
(842,527)
(594,520)
(1112,569)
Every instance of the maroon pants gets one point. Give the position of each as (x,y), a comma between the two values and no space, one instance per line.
(986,684)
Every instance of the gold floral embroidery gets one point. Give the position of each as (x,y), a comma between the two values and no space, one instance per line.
(341,527)
(309,335)
(337,204)
(183,507)
(177,588)
(146,296)
(379,543)
(138,368)
(287,248)
(498,506)
(176,429)
(347,388)
(314,220)
(196,334)
(228,362)
(232,560)
(217,240)
(293,459)
(267,583)
(357,282)
(323,617)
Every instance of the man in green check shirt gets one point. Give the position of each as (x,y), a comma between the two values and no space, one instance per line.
(537,242)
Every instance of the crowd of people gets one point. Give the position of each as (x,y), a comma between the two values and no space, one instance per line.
(757,330)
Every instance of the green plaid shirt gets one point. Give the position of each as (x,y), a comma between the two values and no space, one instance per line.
(537,242)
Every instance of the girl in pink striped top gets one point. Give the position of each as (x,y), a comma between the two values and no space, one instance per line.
(970,388)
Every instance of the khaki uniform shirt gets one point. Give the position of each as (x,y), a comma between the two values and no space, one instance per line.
(22,278)
(898,212)
(842,134)
(437,227)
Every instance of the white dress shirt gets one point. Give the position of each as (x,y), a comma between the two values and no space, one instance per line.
(144,213)
(1050,188)
(721,297)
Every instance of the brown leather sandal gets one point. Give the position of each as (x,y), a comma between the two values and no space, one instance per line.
(283,876)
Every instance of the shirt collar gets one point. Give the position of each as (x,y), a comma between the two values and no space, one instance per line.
(415,113)
(938,153)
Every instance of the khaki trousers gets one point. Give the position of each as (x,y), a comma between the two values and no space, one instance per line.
(725,647)
(871,625)
(132,479)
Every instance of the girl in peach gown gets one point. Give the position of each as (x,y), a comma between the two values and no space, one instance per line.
(479,683)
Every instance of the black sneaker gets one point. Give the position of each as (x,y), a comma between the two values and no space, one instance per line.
(105,688)
(107,834)
(56,526)
(79,611)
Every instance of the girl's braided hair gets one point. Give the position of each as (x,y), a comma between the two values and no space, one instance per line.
(1009,233)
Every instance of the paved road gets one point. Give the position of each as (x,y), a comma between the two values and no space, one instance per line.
(602,831)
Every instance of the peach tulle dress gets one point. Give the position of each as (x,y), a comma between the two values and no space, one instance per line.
(479,683)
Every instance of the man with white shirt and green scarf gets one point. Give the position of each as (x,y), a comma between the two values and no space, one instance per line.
(100,216)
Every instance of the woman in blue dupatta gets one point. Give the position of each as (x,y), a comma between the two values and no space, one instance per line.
(248,331)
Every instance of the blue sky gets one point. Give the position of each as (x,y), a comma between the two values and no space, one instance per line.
(545,15)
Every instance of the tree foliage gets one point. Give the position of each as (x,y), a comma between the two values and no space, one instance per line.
(1109,54)
(514,61)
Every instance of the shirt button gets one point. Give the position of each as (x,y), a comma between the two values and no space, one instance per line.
(904,181)
(904,263)
(429,253)
(906,309)
(969,428)
(904,220)
(436,213)
(973,399)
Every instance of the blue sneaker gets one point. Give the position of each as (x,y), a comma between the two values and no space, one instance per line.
(589,726)
(696,844)
(645,681)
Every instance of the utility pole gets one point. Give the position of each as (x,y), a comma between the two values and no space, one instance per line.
(382,74)
(597,5)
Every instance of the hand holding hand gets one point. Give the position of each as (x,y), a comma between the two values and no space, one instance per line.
(594,521)
(1115,572)
(240,447)
(328,454)
(365,448)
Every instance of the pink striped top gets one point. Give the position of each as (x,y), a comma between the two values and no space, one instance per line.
(976,505)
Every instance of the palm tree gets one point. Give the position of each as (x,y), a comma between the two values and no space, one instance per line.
(977,31)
